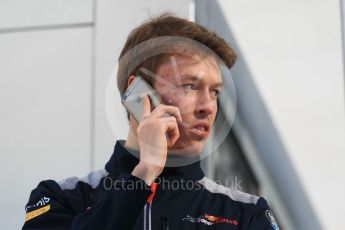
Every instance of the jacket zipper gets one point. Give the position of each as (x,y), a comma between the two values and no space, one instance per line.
(147,208)
(147,216)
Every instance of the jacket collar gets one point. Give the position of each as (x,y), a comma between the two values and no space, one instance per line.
(123,160)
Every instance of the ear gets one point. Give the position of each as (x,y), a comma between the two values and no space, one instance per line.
(130,80)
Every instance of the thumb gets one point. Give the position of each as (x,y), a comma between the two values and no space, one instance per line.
(146,107)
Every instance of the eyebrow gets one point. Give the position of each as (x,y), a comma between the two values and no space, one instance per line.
(195,78)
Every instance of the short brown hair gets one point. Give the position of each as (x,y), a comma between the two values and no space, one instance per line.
(167,24)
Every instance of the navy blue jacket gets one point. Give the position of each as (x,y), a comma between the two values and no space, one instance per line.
(182,198)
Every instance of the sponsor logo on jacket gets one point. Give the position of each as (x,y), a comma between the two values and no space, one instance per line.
(210,220)
(42,201)
(37,212)
(270,217)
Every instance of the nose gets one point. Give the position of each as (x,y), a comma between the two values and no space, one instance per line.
(206,105)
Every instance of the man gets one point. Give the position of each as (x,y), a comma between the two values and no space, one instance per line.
(137,190)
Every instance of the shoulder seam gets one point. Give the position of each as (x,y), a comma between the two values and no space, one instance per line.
(235,195)
(93,179)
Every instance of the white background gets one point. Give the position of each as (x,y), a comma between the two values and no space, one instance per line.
(294,52)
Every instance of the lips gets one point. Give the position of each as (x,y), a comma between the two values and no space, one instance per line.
(200,129)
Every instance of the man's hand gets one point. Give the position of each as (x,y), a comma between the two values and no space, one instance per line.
(155,133)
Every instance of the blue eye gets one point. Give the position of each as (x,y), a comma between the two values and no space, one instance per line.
(188,86)
(216,92)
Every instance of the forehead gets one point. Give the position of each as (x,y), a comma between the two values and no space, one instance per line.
(179,67)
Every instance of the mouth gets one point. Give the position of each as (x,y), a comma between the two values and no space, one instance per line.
(200,129)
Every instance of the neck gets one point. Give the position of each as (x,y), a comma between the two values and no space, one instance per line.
(132,140)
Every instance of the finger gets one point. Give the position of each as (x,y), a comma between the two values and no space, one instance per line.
(171,129)
(146,108)
(173,134)
(166,110)
(168,119)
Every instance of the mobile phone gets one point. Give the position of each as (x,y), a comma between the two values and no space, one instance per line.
(132,98)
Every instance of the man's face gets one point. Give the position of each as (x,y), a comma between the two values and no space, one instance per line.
(193,85)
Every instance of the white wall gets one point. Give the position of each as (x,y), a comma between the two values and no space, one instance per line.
(44,96)
(56,58)
(294,52)
(15,14)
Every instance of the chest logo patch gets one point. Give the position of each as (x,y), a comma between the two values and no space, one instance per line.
(272,220)
(209,220)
